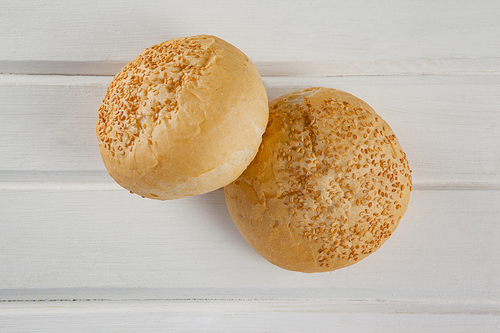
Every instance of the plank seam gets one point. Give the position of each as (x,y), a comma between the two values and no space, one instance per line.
(111,186)
(291,304)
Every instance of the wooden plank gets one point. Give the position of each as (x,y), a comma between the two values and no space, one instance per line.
(448,125)
(446,248)
(447,66)
(229,316)
(282,37)
(80,254)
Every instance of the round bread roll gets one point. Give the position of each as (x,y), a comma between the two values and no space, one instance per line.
(327,187)
(185,117)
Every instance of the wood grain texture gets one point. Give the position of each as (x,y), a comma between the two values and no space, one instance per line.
(448,125)
(80,254)
(282,37)
(446,248)
(230,316)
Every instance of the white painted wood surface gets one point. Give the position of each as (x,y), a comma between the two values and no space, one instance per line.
(232,316)
(80,254)
(282,37)
(189,248)
(459,144)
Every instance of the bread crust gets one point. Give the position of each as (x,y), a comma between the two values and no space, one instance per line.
(327,187)
(185,117)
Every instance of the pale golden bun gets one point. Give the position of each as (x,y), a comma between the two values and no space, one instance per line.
(327,187)
(185,117)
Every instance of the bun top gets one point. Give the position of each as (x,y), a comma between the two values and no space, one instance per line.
(185,117)
(328,186)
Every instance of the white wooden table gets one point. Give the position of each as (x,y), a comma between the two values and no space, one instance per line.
(80,254)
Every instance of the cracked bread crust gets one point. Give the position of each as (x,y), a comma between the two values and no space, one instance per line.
(328,186)
(185,117)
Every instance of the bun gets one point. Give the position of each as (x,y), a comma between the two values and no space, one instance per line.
(327,187)
(185,117)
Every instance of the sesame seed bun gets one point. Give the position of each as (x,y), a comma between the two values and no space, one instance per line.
(185,117)
(327,187)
